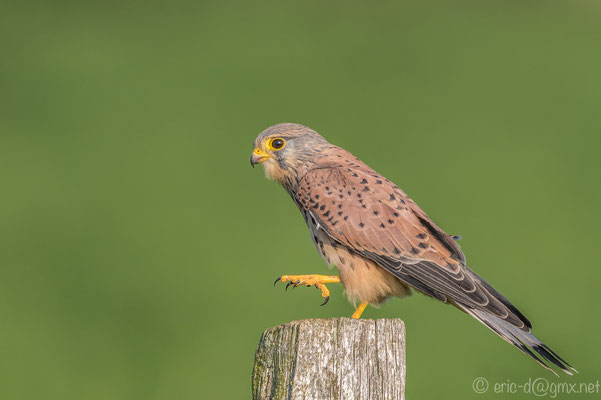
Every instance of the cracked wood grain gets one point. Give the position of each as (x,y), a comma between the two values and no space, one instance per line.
(338,358)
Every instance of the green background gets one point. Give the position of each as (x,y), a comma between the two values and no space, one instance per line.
(138,248)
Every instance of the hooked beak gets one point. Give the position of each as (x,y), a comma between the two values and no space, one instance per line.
(258,156)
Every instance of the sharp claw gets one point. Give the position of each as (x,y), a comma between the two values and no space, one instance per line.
(277,280)
(325,302)
(289,283)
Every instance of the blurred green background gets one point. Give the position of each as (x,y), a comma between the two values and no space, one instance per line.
(138,247)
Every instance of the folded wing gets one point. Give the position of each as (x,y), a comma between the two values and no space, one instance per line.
(371,216)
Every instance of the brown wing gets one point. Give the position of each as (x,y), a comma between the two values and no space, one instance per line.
(361,209)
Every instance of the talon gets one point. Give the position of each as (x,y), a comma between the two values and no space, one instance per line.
(318,281)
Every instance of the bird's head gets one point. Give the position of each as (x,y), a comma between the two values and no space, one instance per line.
(287,151)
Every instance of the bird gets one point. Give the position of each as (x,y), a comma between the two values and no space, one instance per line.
(380,241)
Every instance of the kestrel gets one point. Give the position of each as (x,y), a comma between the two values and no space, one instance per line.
(381,242)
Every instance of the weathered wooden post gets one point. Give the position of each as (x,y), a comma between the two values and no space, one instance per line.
(338,358)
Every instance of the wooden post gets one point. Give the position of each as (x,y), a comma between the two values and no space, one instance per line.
(338,358)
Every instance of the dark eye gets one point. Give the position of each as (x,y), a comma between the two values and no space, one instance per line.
(278,143)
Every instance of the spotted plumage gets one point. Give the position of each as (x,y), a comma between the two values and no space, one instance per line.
(380,241)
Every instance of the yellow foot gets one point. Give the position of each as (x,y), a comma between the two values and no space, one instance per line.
(359,310)
(318,281)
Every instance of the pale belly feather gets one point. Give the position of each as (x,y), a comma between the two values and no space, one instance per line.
(363,279)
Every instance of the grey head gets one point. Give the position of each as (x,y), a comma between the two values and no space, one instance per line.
(287,151)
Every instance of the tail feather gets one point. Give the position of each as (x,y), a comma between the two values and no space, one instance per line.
(499,297)
(523,340)
(558,357)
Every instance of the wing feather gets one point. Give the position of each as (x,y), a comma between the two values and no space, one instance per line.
(368,214)
(363,211)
